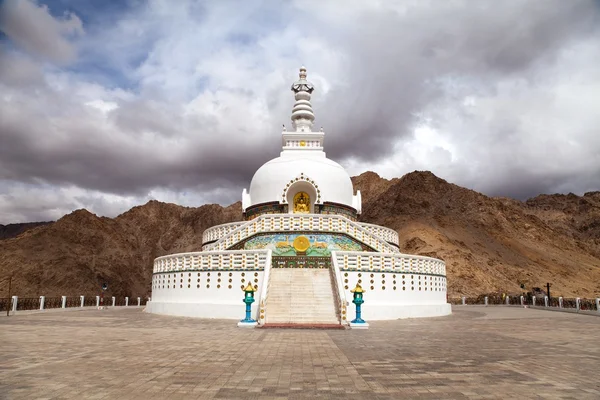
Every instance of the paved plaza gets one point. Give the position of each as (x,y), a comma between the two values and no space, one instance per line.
(477,353)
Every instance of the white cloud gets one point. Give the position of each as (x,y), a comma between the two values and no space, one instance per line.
(182,101)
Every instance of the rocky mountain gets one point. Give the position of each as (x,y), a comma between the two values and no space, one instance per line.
(492,244)
(489,244)
(12,230)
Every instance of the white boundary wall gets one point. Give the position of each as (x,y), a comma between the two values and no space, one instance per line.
(207,285)
(396,285)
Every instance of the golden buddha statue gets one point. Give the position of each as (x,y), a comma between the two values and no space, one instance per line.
(302,203)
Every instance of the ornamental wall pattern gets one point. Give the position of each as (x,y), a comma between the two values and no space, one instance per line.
(216,232)
(223,261)
(399,263)
(301,222)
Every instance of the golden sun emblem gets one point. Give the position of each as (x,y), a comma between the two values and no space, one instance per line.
(301,244)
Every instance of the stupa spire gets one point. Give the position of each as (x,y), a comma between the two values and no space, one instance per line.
(302,113)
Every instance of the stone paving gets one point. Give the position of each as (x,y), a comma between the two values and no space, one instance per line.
(476,353)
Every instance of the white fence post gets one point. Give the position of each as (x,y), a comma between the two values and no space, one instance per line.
(64,301)
(598,305)
(507,300)
(42,301)
(15,299)
(139,301)
(126,301)
(485,300)
(533,301)
(522,301)
(82,298)
(97,301)
(113,301)
(464,300)
(578,304)
(545,301)
(560,302)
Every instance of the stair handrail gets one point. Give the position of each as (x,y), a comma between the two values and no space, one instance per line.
(339,286)
(264,290)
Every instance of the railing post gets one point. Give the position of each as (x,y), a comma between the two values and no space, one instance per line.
(126,301)
(42,301)
(485,300)
(139,301)
(464,301)
(15,299)
(113,301)
(97,301)
(522,300)
(578,304)
(533,301)
(507,300)
(560,302)
(545,301)
(598,305)
(64,301)
(82,298)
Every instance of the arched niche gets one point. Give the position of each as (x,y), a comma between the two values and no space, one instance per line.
(301,187)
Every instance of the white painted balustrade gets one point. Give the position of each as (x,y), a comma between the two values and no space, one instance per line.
(200,261)
(392,262)
(302,222)
(387,234)
(217,232)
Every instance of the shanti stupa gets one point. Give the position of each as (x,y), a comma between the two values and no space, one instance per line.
(300,247)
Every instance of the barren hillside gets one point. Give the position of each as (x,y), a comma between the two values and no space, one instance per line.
(489,244)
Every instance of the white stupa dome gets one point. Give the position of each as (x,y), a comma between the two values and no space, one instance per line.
(302,165)
(330,179)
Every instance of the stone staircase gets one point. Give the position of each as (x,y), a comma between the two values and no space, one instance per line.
(300,296)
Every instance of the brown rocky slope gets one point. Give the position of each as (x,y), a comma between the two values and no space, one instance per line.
(489,244)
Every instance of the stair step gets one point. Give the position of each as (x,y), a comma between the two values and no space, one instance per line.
(300,295)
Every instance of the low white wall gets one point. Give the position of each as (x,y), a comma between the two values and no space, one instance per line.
(204,294)
(397,295)
(235,311)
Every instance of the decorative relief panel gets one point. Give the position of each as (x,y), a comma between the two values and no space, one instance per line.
(302,222)
(317,244)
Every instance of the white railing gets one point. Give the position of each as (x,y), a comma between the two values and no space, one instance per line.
(229,260)
(218,231)
(341,294)
(387,234)
(392,262)
(302,222)
(264,292)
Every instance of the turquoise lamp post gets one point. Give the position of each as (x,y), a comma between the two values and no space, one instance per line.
(248,300)
(358,322)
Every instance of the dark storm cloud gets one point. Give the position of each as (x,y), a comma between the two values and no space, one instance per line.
(200,111)
(398,64)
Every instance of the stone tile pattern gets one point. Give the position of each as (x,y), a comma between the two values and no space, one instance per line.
(476,353)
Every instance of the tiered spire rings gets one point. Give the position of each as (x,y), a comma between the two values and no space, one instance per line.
(302,113)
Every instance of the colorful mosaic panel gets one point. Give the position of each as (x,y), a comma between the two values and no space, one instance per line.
(268,208)
(320,245)
(337,209)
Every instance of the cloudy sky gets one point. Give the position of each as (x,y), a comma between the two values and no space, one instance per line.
(107,104)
